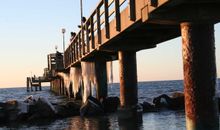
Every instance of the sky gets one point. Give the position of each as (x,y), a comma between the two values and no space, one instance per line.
(29,30)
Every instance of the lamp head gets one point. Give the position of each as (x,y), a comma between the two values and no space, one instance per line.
(63,30)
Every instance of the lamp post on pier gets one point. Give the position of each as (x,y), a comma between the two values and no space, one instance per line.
(82,28)
(63,32)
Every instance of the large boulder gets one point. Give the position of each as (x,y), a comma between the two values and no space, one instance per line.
(110,104)
(175,102)
(13,110)
(68,109)
(42,108)
(148,107)
(91,107)
(2,112)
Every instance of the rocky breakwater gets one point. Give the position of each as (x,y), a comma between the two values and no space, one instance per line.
(39,108)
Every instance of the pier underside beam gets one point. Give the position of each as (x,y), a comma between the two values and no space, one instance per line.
(199,76)
(128,87)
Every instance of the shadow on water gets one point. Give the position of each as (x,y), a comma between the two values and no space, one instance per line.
(37,124)
(90,123)
(165,120)
(108,122)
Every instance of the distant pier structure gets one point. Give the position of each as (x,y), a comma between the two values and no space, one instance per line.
(117,29)
(55,64)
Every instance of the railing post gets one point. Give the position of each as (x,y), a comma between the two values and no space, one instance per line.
(83,40)
(132,10)
(98,25)
(92,33)
(71,57)
(107,35)
(77,48)
(72,52)
(117,15)
(87,38)
(80,45)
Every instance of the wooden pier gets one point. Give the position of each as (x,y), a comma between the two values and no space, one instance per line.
(35,82)
(117,29)
(55,64)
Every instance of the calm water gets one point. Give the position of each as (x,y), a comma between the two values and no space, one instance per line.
(164,120)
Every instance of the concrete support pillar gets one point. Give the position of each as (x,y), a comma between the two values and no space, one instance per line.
(56,86)
(199,76)
(62,87)
(128,79)
(50,86)
(128,87)
(101,78)
(40,87)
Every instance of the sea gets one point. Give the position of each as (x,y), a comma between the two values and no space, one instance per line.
(162,120)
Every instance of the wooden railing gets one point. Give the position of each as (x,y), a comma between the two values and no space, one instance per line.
(90,36)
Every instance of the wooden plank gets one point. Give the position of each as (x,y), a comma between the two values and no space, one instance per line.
(98,25)
(117,15)
(107,35)
(132,10)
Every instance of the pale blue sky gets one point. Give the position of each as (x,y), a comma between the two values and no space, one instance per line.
(29,30)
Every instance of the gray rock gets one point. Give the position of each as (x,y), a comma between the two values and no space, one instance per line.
(91,107)
(110,104)
(68,109)
(41,109)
